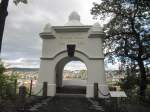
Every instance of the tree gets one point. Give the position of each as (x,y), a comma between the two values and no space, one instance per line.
(130,82)
(7,83)
(3,15)
(128,32)
(83,74)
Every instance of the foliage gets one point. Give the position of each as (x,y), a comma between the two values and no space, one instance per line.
(129,83)
(7,83)
(20,1)
(131,80)
(83,74)
(127,33)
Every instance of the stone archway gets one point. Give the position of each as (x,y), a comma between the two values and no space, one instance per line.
(61,88)
(85,44)
(62,58)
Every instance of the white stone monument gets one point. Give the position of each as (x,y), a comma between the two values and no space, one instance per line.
(87,42)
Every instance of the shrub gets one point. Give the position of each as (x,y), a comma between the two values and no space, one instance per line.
(7,83)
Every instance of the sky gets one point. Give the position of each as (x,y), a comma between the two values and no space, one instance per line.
(22,45)
(74,65)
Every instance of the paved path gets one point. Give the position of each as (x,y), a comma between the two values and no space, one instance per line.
(68,103)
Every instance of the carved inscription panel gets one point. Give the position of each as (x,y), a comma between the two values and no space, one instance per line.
(72,39)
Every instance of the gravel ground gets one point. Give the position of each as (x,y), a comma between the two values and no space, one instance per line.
(68,103)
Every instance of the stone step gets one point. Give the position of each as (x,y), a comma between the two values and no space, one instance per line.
(38,105)
(95,105)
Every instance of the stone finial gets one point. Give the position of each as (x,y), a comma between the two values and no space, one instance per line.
(96,31)
(47,28)
(48,32)
(96,27)
(74,20)
(74,16)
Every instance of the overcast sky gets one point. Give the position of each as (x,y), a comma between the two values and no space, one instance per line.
(21,43)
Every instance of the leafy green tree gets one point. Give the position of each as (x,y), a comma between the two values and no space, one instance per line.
(128,32)
(7,83)
(130,82)
(83,74)
(3,15)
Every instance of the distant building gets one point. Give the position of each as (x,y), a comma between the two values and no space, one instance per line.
(112,77)
(24,75)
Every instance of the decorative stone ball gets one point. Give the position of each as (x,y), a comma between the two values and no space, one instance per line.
(74,16)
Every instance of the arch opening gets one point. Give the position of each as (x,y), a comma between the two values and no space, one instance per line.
(71,76)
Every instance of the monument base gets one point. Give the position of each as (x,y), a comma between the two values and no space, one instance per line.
(103,91)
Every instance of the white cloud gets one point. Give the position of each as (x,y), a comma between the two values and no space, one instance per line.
(22,63)
(75,65)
